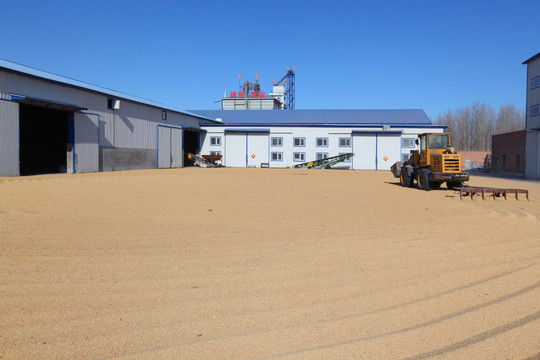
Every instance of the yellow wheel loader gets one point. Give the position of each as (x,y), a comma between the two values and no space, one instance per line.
(435,163)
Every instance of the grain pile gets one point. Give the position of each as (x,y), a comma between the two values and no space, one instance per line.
(264,264)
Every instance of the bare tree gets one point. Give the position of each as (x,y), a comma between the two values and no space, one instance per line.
(472,127)
(509,119)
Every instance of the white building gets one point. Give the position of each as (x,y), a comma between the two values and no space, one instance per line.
(532,151)
(284,138)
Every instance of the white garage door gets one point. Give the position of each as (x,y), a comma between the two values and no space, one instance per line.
(388,150)
(235,149)
(365,151)
(257,149)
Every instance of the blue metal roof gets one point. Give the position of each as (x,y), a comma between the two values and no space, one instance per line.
(414,117)
(28,71)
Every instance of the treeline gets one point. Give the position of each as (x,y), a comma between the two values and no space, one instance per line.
(472,127)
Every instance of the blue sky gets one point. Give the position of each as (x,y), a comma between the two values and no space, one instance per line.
(433,55)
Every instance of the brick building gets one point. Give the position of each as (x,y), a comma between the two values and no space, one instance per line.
(508,152)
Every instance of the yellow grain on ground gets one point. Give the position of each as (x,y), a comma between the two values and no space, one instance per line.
(265,264)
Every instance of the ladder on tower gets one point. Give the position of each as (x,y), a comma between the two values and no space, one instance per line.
(326,163)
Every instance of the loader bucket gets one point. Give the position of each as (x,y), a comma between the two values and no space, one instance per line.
(396,168)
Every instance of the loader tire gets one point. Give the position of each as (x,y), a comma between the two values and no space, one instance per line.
(404,178)
(423,179)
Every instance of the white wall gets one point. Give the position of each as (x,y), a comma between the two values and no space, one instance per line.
(237,153)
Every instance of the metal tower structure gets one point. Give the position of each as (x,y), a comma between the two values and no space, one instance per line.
(288,80)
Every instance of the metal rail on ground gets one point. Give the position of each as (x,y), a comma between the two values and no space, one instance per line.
(494,192)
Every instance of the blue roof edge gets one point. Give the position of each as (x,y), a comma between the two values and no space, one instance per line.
(40,74)
(415,125)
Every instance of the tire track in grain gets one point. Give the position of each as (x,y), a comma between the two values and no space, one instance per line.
(479,338)
(452,347)
(348,317)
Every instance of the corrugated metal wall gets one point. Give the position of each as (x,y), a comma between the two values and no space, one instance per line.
(164,147)
(177,152)
(9,138)
(134,125)
(86,143)
(170,152)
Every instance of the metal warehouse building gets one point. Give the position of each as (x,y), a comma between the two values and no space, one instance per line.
(52,124)
(284,138)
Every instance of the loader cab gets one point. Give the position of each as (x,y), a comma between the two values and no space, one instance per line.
(433,141)
(430,145)
(438,141)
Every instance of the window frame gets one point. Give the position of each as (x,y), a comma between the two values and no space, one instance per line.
(321,138)
(299,153)
(535,110)
(535,82)
(280,138)
(299,138)
(321,153)
(349,140)
(276,153)
(215,138)
(407,139)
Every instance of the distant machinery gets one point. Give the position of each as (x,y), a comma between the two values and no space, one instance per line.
(284,89)
(251,97)
(251,88)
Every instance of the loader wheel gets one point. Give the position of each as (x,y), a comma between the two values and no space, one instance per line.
(423,179)
(405,179)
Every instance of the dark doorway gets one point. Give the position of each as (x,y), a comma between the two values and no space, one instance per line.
(43,139)
(191,145)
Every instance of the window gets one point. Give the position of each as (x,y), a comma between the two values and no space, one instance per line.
(299,142)
(215,152)
(277,156)
(113,104)
(408,143)
(535,110)
(299,157)
(423,143)
(345,142)
(277,141)
(348,160)
(322,142)
(321,156)
(535,82)
(164,115)
(438,141)
(215,140)
(405,157)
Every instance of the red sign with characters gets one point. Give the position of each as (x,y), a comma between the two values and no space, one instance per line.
(253,94)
